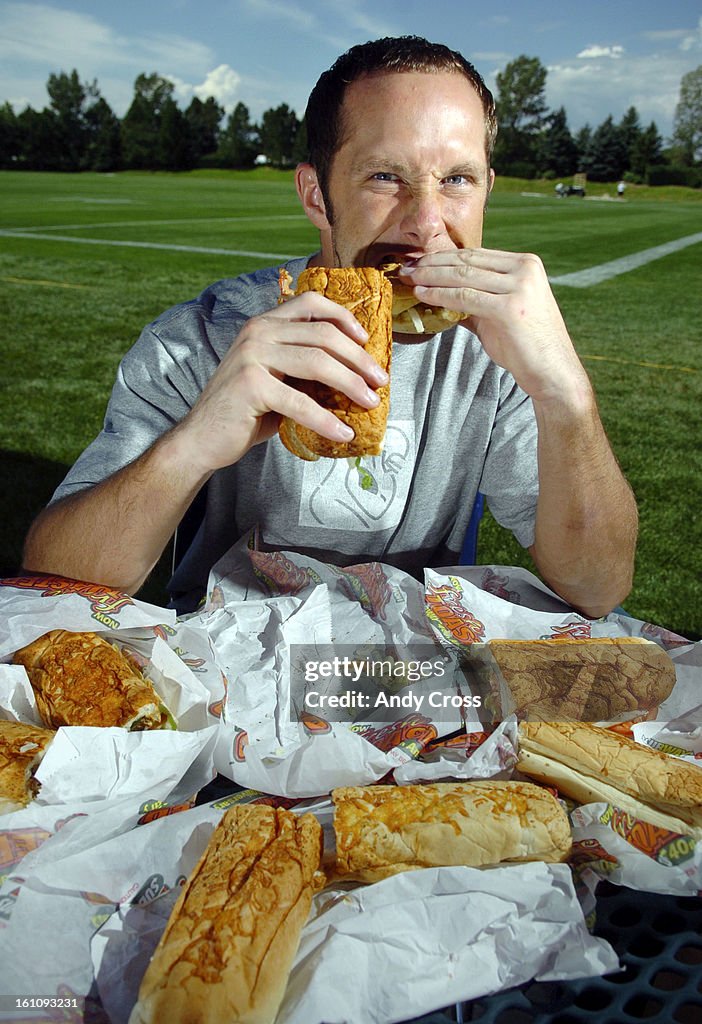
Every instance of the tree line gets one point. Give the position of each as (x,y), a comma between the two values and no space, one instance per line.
(79,131)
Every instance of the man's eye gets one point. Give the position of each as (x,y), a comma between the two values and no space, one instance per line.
(384,176)
(455,179)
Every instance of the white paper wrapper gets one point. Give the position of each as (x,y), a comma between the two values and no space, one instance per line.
(649,860)
(263,606)
(426,939)
(679,738)
(62,897)
(32,605)
(75,855)
(495,758)
(100,782)
(379,953)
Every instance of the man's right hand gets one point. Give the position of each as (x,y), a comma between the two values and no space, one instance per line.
(308,337)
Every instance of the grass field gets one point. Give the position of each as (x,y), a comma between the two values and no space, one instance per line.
(73,301)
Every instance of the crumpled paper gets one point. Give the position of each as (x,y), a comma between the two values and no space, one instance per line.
(74,865)
(614,845)
(379,953)
(425,939)
(262,606)
(105,773)
(32,605)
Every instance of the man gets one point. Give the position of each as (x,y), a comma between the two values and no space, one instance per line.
(400,134)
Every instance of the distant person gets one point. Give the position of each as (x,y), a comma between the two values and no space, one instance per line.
(560,190)
(400,135)
(621,188)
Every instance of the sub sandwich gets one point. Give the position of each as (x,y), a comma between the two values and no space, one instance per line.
(591,764)
(601,679)
(368,294)
(22,748)
(412,316)
(81,679)
(382,830)
(233,933)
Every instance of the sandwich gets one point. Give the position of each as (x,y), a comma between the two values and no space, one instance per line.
(590,680)
(232,935)
(368,293)
(21,749)
(590,764)
(382,830)
(412,316)
(81,679)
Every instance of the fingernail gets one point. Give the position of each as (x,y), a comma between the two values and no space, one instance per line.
(407,267)
(379,374)
(372,396)
(345,432)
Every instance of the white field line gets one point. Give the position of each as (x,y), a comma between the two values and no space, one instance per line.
(604,271)
(578,279)
(159,223)
(145,245)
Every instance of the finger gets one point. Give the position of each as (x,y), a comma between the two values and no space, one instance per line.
(312,306)
(496,259)
(327,338)
(462,276)
(462,300)
(314,364)
(304,410)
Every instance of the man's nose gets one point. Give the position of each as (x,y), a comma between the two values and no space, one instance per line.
(422,219)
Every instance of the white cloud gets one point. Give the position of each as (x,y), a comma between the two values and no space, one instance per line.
(40,33)
(36,39)
(223,84)
(664,35)
(591,90)
(275,11)
(692,40)
(594,52)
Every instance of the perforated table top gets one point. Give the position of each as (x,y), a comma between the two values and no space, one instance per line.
(659,942)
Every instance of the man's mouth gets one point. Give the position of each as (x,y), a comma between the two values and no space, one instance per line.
(378,255)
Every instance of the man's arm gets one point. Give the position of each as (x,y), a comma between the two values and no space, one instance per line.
(586,519)
(113,533)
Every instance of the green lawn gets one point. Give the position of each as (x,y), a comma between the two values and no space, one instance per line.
(70,310)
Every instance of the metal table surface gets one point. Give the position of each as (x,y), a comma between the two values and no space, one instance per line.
(659,942)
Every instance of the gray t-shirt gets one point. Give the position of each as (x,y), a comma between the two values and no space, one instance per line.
(458,424)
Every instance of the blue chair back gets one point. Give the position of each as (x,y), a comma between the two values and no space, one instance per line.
(469,550)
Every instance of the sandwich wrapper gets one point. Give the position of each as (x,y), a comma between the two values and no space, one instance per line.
(475,604)
(379,953)
(261,608)
(32,605)
(101,781)
(80,877)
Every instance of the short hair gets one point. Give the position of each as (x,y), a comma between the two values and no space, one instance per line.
(323,116)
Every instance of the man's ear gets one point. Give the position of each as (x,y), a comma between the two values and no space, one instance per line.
(310,194)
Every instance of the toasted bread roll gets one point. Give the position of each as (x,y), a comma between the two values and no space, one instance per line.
(591,764)
(21,749)
(81,679)
(599,679)
(233,933)
(368,293)
(382,830)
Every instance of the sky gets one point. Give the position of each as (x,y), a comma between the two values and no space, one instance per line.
(601,57)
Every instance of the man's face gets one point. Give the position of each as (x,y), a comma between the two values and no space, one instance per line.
(411,175)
